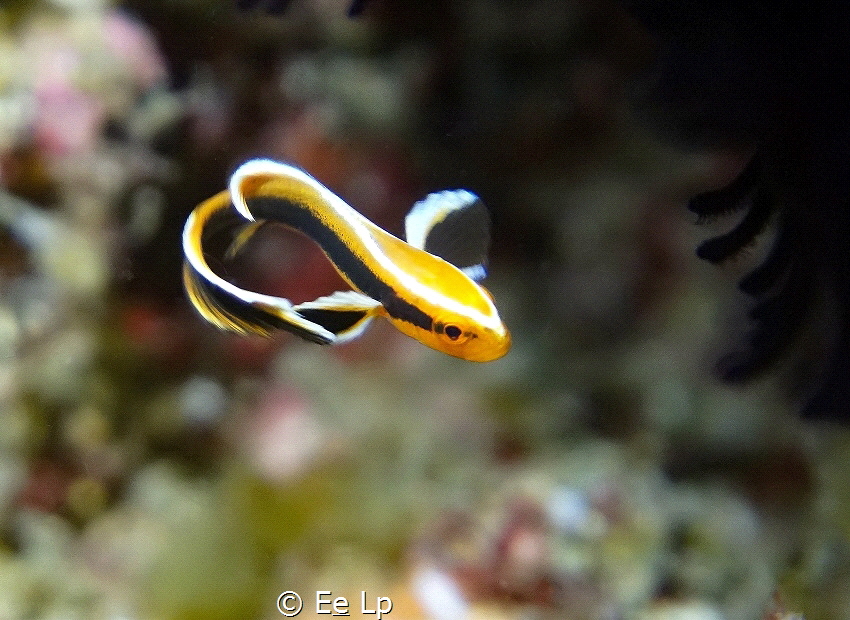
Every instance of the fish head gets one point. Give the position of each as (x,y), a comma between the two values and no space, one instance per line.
(468,337)
(474,343)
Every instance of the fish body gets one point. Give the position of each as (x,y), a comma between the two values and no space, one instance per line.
(426,286)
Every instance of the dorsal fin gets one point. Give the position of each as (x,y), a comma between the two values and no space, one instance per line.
(453,225)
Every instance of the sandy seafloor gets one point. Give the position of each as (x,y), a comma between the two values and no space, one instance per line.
(154,468)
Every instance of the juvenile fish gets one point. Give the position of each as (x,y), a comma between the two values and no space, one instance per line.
(427,286)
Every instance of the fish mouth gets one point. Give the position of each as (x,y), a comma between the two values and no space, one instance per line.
(499,346)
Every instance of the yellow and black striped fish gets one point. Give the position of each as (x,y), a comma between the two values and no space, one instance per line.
(427,286)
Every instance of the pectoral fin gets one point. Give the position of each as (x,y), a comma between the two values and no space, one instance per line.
(453,225)
(241,238)
(346,314)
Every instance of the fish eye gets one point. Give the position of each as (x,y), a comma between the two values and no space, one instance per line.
(453,332)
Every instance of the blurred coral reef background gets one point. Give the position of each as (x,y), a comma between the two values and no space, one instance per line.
(154,468)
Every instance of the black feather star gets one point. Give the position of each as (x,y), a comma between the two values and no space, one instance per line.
(798,280)
(778,284)
(772,75)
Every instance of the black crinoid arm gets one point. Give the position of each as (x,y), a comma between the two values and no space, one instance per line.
(760,73)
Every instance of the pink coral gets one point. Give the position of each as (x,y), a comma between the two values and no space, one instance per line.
(76,79)
(131,43)
(67,121)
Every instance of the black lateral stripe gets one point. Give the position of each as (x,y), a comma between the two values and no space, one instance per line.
(302,218)
(358,273)
(222,220)
(241,311)
(398,308)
